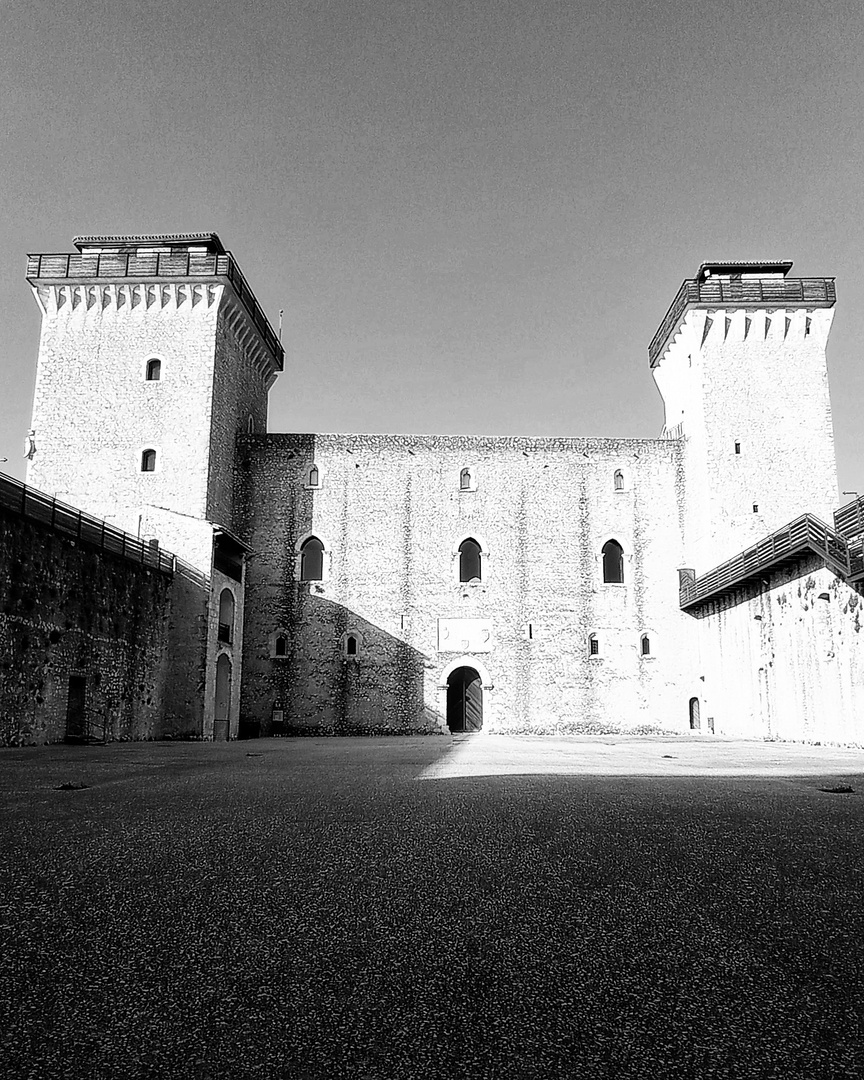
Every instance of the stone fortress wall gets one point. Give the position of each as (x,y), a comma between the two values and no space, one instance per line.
(784,659)
(391,514)
(92,643)
(372,646)
(94,410)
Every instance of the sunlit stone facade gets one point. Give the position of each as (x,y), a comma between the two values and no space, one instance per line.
(400,584)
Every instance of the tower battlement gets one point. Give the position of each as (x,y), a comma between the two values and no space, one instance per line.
(740,362)
(156,258)
(740,286)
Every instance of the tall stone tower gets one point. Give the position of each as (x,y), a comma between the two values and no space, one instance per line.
(154,355)
(740,363)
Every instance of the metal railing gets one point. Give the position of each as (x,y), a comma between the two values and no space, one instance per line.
(157,264)
(757,292)
(806,533)
(66,520)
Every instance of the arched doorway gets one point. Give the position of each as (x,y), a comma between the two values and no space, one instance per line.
(695,722)
(223,699)
(464,700)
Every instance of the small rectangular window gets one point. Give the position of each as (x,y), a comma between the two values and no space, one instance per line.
(755,508)
(737,447)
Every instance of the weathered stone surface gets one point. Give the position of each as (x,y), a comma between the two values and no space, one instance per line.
(67,610)
(391,515)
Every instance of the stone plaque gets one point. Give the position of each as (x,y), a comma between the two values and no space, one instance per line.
(464,635)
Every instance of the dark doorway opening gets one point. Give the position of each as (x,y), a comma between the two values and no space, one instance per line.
(76,709)
(223,699)
(695,722)
(464,700)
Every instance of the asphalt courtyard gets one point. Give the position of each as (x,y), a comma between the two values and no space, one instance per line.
(442,907)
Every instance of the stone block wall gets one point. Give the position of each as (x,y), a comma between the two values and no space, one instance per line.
(68,609)
(95,342)
(391,514)
(239,393)
(757,379)
(785,659)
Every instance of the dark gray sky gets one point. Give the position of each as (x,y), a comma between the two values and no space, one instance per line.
(474,214)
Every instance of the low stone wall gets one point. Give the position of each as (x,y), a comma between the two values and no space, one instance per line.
(92,644)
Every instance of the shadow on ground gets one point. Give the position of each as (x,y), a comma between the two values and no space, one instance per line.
(382,908)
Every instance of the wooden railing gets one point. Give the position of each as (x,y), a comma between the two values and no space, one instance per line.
(777,292)
(35,505)
(161,264)
(849,519)
(806,533)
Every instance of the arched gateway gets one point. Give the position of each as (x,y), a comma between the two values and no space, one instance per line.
(464,700)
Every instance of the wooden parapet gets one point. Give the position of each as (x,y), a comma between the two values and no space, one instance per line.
(805,535)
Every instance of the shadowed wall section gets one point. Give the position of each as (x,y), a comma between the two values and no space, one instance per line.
(94,645)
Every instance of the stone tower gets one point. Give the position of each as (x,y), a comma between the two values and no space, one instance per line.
(740,363)
(154,355)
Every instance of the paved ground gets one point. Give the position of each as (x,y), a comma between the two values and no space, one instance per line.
(424,908)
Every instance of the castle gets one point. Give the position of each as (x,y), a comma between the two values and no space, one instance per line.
(389,583)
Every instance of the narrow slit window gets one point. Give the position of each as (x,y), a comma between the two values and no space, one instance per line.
(351,645)
(646,645)
(148,461)
(737,447)
(593,645)
(619,480)
(613,562)
(469,560)
(755,508)
(154,370)
(313,477)
(312,560)
(280,646)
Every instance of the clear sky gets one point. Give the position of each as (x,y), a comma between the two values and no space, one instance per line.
(474,214)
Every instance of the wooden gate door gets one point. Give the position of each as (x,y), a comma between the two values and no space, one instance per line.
(76,717)
(222,715)
(464,700)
